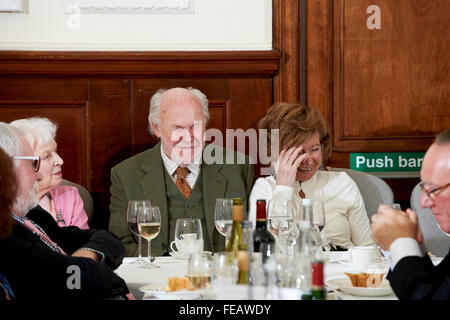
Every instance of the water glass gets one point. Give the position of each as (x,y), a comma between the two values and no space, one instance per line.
(224,269)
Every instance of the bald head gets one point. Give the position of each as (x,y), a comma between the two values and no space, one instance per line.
(178,95)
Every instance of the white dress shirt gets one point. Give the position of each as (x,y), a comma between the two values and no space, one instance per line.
(403,247)
(172,166)
(346,220)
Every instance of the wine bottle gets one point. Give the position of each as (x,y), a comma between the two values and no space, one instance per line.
(311,256)
(243,265)
(318,290)
(236,228)
(305,250)
(261,234)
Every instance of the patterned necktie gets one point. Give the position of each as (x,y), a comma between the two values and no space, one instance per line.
(32,227)
(181,183)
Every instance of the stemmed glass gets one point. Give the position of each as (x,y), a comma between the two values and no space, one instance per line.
(395,206)
(149,226)
(387,253)
(200,268)
(319,222)
(132,217)
(223,217)
(188,237)
(281,223)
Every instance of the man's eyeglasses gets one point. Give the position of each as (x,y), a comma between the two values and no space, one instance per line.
(432,194)
(35,161)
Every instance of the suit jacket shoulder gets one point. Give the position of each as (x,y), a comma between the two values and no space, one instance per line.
(416,278)
(36,272)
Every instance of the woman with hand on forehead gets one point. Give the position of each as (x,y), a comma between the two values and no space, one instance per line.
(304,143)
(62,202)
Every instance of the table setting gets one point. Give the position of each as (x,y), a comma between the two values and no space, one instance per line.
(190,273)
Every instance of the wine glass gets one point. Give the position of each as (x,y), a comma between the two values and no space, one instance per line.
(200,267)
(188,237)
(149,226)
(223,217)
(281,223)
(319,223)
(225,270)
(318,214)
(395,206)
(387,253)
(132,216)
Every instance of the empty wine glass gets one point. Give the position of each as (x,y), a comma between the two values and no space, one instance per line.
(225,270)
(395,206)
(149,226)
(132,216)
(319,223)
(281,223)
(223,217)
(318,214)
(188,237)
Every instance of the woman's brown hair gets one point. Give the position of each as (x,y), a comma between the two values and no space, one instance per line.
(8,188)
(296,123)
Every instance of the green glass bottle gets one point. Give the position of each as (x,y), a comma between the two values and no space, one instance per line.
(236,229)
(243,264)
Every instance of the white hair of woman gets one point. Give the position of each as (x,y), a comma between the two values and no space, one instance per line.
(155,104)
(36,130)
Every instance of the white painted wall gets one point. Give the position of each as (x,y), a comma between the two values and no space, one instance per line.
(214,25)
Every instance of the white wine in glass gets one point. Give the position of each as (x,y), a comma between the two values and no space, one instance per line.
(149,226)
(132,216)
(223,219)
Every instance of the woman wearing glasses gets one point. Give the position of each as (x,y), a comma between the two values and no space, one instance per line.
(62,202)
(304,142)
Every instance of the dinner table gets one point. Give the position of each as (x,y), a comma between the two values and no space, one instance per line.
(150,283)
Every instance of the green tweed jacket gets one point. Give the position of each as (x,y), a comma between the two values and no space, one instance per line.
(141,177)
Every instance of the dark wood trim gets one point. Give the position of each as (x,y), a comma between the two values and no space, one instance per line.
(286,39)
(160,64)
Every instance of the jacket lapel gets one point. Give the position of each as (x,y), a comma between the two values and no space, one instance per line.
(154,187)
(214,186)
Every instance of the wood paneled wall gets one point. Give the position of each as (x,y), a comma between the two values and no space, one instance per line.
(380,90)
(101,101)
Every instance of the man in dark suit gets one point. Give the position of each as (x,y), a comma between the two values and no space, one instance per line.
(178,117)
(413,275)
(42,260)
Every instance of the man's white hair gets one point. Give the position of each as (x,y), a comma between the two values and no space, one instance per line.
(155,104)
(37,130)
(9,140)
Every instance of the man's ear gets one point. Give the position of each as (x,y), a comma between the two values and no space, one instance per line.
(155,128)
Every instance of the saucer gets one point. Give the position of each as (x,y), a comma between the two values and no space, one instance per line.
(179,256)
(346,286)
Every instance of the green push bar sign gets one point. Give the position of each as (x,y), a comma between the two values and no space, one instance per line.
(386,161)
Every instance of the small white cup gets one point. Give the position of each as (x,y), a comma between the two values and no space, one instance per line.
(364,255)
(187,245)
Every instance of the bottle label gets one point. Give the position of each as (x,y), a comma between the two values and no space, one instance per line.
(317,275)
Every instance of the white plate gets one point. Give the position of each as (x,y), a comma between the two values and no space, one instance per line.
(159,292)
(382,266)
(176,255)
(346,286)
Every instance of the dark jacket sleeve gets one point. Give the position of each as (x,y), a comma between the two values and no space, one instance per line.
(73,238)
(36,272)
(416,278)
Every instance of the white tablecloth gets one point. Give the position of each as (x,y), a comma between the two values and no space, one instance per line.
(136,277)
